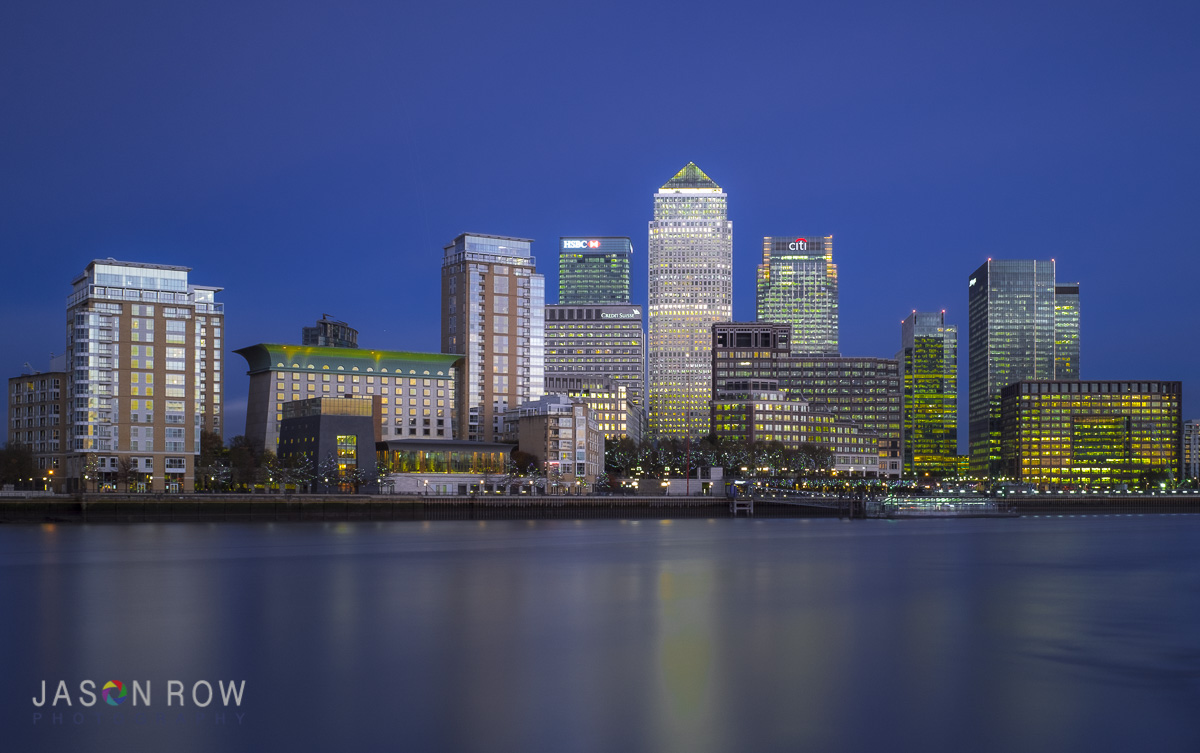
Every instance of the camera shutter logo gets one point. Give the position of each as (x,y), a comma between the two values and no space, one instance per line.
(114,692)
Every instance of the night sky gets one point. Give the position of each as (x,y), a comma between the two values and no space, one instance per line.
(315,157)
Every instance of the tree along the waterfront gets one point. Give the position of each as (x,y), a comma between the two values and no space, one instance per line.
(673,457)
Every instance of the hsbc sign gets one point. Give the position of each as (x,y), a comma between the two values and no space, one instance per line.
(798,245)
(580,244)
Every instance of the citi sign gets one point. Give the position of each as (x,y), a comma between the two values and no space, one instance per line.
(798,245)
(581,244)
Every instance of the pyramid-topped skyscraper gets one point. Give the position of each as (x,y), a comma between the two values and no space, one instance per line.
(691,288)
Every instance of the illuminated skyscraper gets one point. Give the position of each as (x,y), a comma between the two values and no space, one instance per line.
(691,288)
(1066,330)
(593,270)
(493,303)
(929,358)
(1021,327)
(797,285)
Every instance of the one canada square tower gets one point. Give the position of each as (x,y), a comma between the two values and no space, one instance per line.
(691,288)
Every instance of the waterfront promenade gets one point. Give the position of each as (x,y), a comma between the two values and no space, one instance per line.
(133,508)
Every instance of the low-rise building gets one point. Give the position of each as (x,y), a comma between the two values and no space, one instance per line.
(454,467)
(609,400)
(37,406)
(1093,433)
(332,439)
(565,439)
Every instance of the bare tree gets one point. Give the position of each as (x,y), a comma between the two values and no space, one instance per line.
(126,470)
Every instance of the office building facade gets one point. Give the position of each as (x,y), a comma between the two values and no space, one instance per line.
(865,391)
(1066,432)
(144,376)
(764,413)
(690,289)
(798,285)
(493,315)
(594,269)
(597,340)
(416,390)
(1020,327)
(929,360)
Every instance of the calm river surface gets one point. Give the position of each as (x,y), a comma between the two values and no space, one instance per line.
(1031,634)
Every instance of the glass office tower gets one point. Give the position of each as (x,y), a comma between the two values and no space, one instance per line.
(797,285)
(593,270)
(929,357)
(1016,333)
(1066,331)
(691,288)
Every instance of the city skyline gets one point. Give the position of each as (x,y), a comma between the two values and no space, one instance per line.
(1071,291)
(182,147)
(512,454)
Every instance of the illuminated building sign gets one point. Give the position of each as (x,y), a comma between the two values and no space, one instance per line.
(799,244)
(634,314)
(580,244)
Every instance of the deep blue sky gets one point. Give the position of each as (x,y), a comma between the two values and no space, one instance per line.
(315,157)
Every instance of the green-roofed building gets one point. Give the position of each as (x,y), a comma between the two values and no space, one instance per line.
(414,392)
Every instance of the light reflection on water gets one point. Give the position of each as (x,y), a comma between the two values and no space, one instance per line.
(688,635)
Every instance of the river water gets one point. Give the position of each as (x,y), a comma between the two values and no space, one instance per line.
(1030,634)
